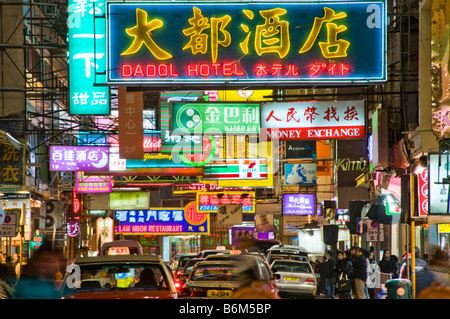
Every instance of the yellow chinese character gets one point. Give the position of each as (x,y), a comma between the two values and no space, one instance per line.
(10,153)
(10,174)
(198,42)
(332,31)
(218,26)
(141,34)
(273,36)
(244,44)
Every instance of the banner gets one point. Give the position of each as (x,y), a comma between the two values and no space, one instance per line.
(131,132)
(302,173)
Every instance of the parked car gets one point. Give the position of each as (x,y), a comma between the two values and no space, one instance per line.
(178,261)
(290,252)
(119,277)
(121,247)
(223,275)
(294,278)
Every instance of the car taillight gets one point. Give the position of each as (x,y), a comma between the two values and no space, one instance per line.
(310,280)
(197,292)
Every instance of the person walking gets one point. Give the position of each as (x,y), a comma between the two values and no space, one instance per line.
(360,274)
(372,275)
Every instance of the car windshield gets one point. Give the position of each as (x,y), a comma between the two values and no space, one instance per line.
(288,266)
(216,272)
(184,260)
(106,277)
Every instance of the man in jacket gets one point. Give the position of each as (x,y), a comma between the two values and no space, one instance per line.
(330,276)
(360,273)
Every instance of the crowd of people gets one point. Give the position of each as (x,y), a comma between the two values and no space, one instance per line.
(355,273)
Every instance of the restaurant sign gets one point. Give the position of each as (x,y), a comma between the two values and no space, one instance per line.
(253,43)
(163,221)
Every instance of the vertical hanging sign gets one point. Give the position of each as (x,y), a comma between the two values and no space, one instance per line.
(87,57)
(131,132)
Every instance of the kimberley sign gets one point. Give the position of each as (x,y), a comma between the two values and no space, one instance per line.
(313,120)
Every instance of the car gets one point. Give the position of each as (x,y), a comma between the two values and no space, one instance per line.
(291,252)
(205,253)
(118,277)
(121,247)
(182,275)
(294,278)
(223,275)
(178,261)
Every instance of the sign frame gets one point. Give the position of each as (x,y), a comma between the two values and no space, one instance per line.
(174,77)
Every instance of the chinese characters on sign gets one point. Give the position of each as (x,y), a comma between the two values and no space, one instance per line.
(313,120)
(11,168)
(422,184)
(79,158)
(215,117)
(131,133)
(246,42)
(209,202)
(161,221)
(299,204)
(87,58)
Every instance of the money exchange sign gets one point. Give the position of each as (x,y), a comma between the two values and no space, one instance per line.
(198,44)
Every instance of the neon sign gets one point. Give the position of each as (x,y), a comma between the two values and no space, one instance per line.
(194,44)
(161,221)
(209,202)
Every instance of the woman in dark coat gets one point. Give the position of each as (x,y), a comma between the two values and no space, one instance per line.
(344,267)
(388,264)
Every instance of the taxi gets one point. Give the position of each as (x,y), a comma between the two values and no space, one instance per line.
(118,277)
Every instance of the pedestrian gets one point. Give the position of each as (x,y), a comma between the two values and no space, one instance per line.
(420,266)
(6,291)
(323,272)
(330,279)
(37,279)
(12,278)
(317,274)
(344,270)
(437,273)
(372,275)
(360,274)
(388,265)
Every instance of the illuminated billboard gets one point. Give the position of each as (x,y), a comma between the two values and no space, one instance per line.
(163,221)
(299,204)
(313,120)
(235,43)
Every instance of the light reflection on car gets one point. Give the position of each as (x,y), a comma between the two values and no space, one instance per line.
(222,276)
(295,278)
(120,277)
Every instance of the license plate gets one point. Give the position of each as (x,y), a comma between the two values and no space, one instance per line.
(291,278)
(219,293)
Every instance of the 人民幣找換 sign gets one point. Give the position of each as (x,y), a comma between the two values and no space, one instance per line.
(258,43)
